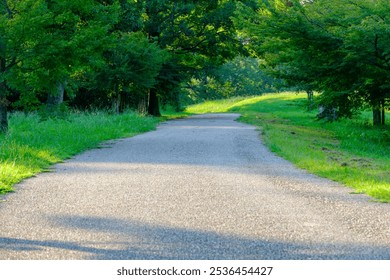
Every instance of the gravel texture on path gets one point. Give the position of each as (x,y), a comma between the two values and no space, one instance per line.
(198,188)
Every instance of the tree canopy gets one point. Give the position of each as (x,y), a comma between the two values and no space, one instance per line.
(119,53)
(196,33)
(340,48)
(109,51)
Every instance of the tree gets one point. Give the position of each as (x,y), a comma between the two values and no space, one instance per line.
(44,43)
(6,15)
(362,76)
(73,37)
(130,64)
(339,48)
(131,61)
(48,47)
(194,32)
(12,39)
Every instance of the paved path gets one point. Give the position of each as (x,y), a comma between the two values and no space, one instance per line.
(197,188)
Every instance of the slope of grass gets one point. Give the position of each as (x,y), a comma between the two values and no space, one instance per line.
(216,106)
(32,145)
(351,152)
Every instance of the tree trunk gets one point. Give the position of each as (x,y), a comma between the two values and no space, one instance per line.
(122,101)
(3,117)
(116,103)
(143,104)
(379,113)
(383,112)
(3,97)
(310,99)
(376,114)
(153,107)
(177,102)
(153,32)
(3,108)
(57,97)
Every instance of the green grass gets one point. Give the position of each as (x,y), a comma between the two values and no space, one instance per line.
(216,106)
(32,145)
(169,113)
(351,152)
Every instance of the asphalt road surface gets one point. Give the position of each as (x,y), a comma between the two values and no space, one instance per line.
(198,188)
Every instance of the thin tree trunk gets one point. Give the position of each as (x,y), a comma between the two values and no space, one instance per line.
(143,104)
(383,113)
(122,101)
(153,32)
(3,96)
(57,97)
(116,103)
(310,98)
(153,107)
(376,115)
(177,102)
(3,108)
(3,117)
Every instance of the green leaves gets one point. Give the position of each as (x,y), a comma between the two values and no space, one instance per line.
(332,46)
(112,46)
(242,76)
(52,42)
(131,60)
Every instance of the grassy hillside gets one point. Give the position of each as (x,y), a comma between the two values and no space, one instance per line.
(351,152)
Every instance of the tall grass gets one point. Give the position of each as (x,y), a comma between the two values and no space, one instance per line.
(32,145)
(351,152)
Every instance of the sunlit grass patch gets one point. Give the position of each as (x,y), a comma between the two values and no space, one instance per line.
(217,106)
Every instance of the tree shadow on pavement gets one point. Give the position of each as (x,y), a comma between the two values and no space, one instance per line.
(142,241)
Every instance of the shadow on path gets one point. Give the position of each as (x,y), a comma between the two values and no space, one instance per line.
(136,240)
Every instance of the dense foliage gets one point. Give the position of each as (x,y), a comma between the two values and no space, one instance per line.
(340,48)
(241,76)
(114,53)
(117,54)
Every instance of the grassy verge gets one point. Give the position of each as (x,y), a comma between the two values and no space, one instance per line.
(351,152)
(32,145)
